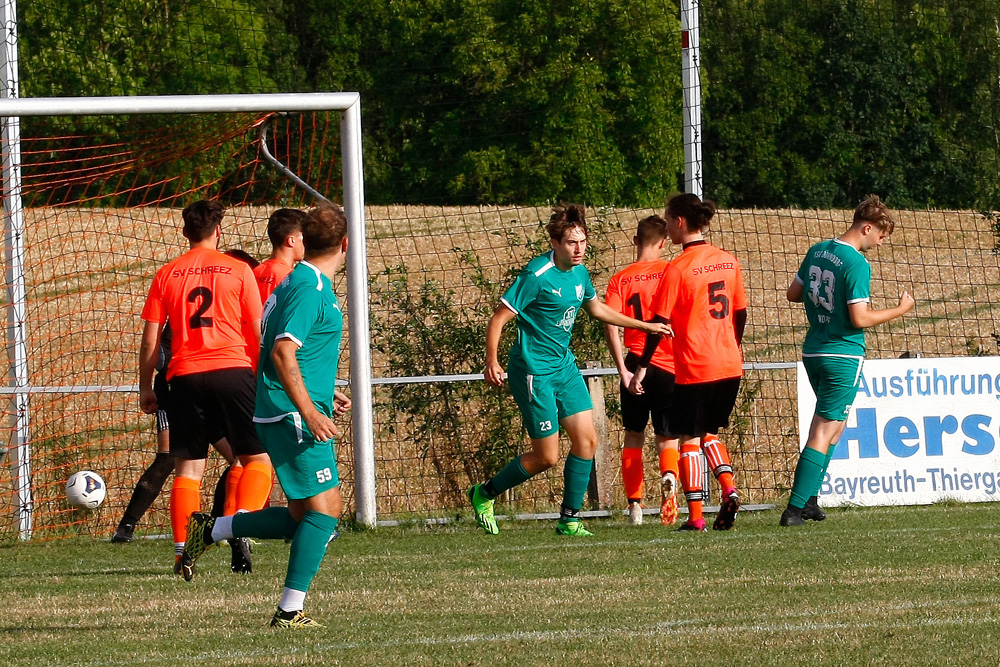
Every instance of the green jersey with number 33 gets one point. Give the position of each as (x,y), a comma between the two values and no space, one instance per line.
(834,275)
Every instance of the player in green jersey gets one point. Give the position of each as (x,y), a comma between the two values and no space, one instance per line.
(302,325)
(544,378)
(834,282)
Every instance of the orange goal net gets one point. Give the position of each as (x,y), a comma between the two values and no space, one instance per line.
(101,198)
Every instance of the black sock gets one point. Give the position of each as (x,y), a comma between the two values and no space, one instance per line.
(567,514)
(148,488)
(488,490)
(219,499)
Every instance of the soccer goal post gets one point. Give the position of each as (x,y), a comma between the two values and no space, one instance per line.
(71,169)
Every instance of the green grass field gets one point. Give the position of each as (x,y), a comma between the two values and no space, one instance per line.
(897,586)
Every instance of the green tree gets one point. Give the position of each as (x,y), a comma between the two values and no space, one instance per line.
(149,47)
(816,104)
(503,101)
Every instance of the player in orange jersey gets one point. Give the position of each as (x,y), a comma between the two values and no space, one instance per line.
(284,230)
(631,292)
(152,479)
(214,310)
(703,298)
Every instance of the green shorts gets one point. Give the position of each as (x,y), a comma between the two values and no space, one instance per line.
(305,468)
(835,380)
(545,400)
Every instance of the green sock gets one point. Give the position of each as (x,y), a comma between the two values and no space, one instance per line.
(308,549)
(807,471)
(512,475)
(272,523)
(576,478)
(822,473)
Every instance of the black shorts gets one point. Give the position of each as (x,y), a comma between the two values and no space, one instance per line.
(206,406)
(162,391)
(658,390)
(703,407)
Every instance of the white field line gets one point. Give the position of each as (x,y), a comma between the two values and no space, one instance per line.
(707,628)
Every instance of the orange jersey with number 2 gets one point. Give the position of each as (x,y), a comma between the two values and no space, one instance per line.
(700,291)
(211,301)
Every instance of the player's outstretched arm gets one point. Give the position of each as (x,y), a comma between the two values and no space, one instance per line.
(494,373)
(602,312)
(287,367)
(863,318)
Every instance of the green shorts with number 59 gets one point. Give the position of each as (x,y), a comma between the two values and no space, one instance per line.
(305,468)
(835,379)
(545,400)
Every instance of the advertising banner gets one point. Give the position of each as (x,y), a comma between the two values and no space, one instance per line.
(921,430)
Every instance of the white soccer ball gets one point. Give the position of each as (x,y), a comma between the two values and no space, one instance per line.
(86,489)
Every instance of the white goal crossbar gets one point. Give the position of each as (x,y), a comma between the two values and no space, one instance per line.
(349,104)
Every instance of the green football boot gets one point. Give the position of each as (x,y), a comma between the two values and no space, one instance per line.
(573,529)
(483,509)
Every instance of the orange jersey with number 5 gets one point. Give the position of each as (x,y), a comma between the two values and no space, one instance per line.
(212,303)
(631,292)
(701,290)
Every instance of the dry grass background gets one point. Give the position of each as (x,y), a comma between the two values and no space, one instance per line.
(88,272)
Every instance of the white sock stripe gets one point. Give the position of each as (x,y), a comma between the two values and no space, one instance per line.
(691,472)
(715,454)
(712,454)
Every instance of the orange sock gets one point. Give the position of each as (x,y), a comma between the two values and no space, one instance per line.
(254,487)
(632,473)
(719,463)
(232,482)
(691,475)
(668,462)
(185,500)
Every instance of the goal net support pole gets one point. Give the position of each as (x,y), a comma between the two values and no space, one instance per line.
(17,350)
(349,104)
(360,345)
(691,83)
